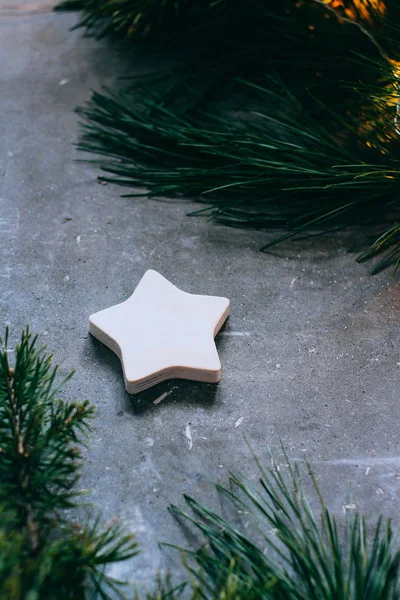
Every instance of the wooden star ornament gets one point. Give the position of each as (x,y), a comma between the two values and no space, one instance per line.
(162,333)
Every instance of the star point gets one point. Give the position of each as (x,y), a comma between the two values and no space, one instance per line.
(161,332)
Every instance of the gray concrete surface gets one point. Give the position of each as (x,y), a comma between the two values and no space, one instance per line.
(309,353)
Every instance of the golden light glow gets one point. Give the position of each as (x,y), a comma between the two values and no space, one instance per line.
(366,11)
(357,10)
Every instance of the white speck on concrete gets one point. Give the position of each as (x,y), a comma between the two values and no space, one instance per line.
(239,421)
(188,434)
(236,333)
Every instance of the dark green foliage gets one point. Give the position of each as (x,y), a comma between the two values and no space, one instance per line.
(308,141)
(137,19)
(299,555)
(261,168)
(129,19)
(43,555)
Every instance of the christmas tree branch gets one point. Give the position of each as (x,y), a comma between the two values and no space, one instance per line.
(309,141)
(42,554)
(293,553)
(270,167)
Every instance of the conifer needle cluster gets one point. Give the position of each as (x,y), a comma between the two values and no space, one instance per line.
(286,115)
(43,554)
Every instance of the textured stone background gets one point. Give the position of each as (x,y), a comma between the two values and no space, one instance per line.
(309,353)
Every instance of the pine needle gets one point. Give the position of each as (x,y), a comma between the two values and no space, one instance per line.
(274,125)
(43,555)
(296,554)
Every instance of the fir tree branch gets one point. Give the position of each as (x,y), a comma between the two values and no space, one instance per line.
(42,555)
(315,146)
(264,169)
(297,554)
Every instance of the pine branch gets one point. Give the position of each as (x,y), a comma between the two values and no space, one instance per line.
(300,145)
(207,19)
(43,555)
(298,555)
(259,168)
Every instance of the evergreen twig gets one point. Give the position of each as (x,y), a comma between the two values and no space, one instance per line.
(43,555)
(296,554)
(261,170)
(316,145)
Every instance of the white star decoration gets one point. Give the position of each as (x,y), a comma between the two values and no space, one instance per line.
(162,333)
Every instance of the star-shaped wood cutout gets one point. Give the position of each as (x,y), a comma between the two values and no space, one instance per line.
(162,333)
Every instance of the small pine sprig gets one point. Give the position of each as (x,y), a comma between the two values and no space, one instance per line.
(42,554)
(296,554)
